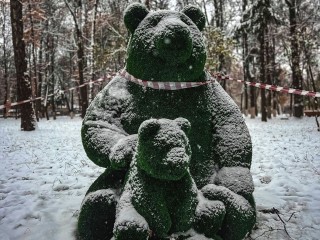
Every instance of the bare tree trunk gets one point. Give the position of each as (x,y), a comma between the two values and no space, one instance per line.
(39,85)
(24,91)
(34,81)
(47,72)
(93,33)
(296,72)
(71,91)
(147,3)
(307,54)
(5,61)
(246,69)
(205,11)
(263,74)
(219,19)
(80,54)
(52,76)
(268,70)
(274,74)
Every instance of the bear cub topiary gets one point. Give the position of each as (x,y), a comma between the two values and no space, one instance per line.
(160,195)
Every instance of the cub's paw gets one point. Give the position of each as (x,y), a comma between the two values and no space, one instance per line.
(122,152)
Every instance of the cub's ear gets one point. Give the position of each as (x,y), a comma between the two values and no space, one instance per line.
(196,15)
(133,15)
(184,124)
(148,129)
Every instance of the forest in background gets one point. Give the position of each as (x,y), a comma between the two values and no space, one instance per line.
(64,44)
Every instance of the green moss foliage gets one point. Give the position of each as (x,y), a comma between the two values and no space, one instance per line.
(163,150)
(134,14)
(202,106)
(130,230)
(167,200)
(240,215)
(98,208)
(167,46)
(108,179)
(195,14)
(209,217)
(171,161)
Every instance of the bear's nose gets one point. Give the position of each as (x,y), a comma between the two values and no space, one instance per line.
(173,41)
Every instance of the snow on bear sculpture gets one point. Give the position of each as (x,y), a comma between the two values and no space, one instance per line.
(160,195)
(167,46)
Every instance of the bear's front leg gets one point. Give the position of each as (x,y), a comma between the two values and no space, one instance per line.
(129,225)
(240,215)
(238,180)
(209,217)
(182,201)
(97,215)
(149,201)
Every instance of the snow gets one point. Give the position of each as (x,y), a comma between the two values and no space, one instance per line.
(44,175)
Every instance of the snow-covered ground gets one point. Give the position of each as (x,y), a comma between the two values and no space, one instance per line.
(44,175)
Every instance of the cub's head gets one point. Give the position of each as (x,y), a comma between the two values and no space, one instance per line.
(163,150)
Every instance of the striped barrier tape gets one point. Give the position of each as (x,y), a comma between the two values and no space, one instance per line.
(181,85)
(8,105)
(163,85)
(271,87)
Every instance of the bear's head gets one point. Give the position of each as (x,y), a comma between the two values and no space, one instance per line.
(163,149)
(165,45)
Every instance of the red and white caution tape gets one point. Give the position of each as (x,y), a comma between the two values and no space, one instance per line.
(9,105)
(163,85)
(183,85)
(271,87)
(180,85)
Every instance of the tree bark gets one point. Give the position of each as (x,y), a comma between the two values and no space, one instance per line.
(147,3)
(246,69)
(218,9)
(92,57)
(263,74)
(34,80)
(5,62)
(39,84)
(24,91)
(52,75)
(268,70)
(80,55)
(295,57)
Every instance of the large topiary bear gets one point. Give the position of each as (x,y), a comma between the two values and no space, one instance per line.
(167,46)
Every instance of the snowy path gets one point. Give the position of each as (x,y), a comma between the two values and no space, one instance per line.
(286,173)
(44,175)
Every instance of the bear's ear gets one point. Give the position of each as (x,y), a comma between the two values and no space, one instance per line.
(196,15)
(148,128)
(184,124)
(133,15)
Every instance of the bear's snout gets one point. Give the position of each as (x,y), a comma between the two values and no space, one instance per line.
(178,156)
(173,41)
(176,163)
